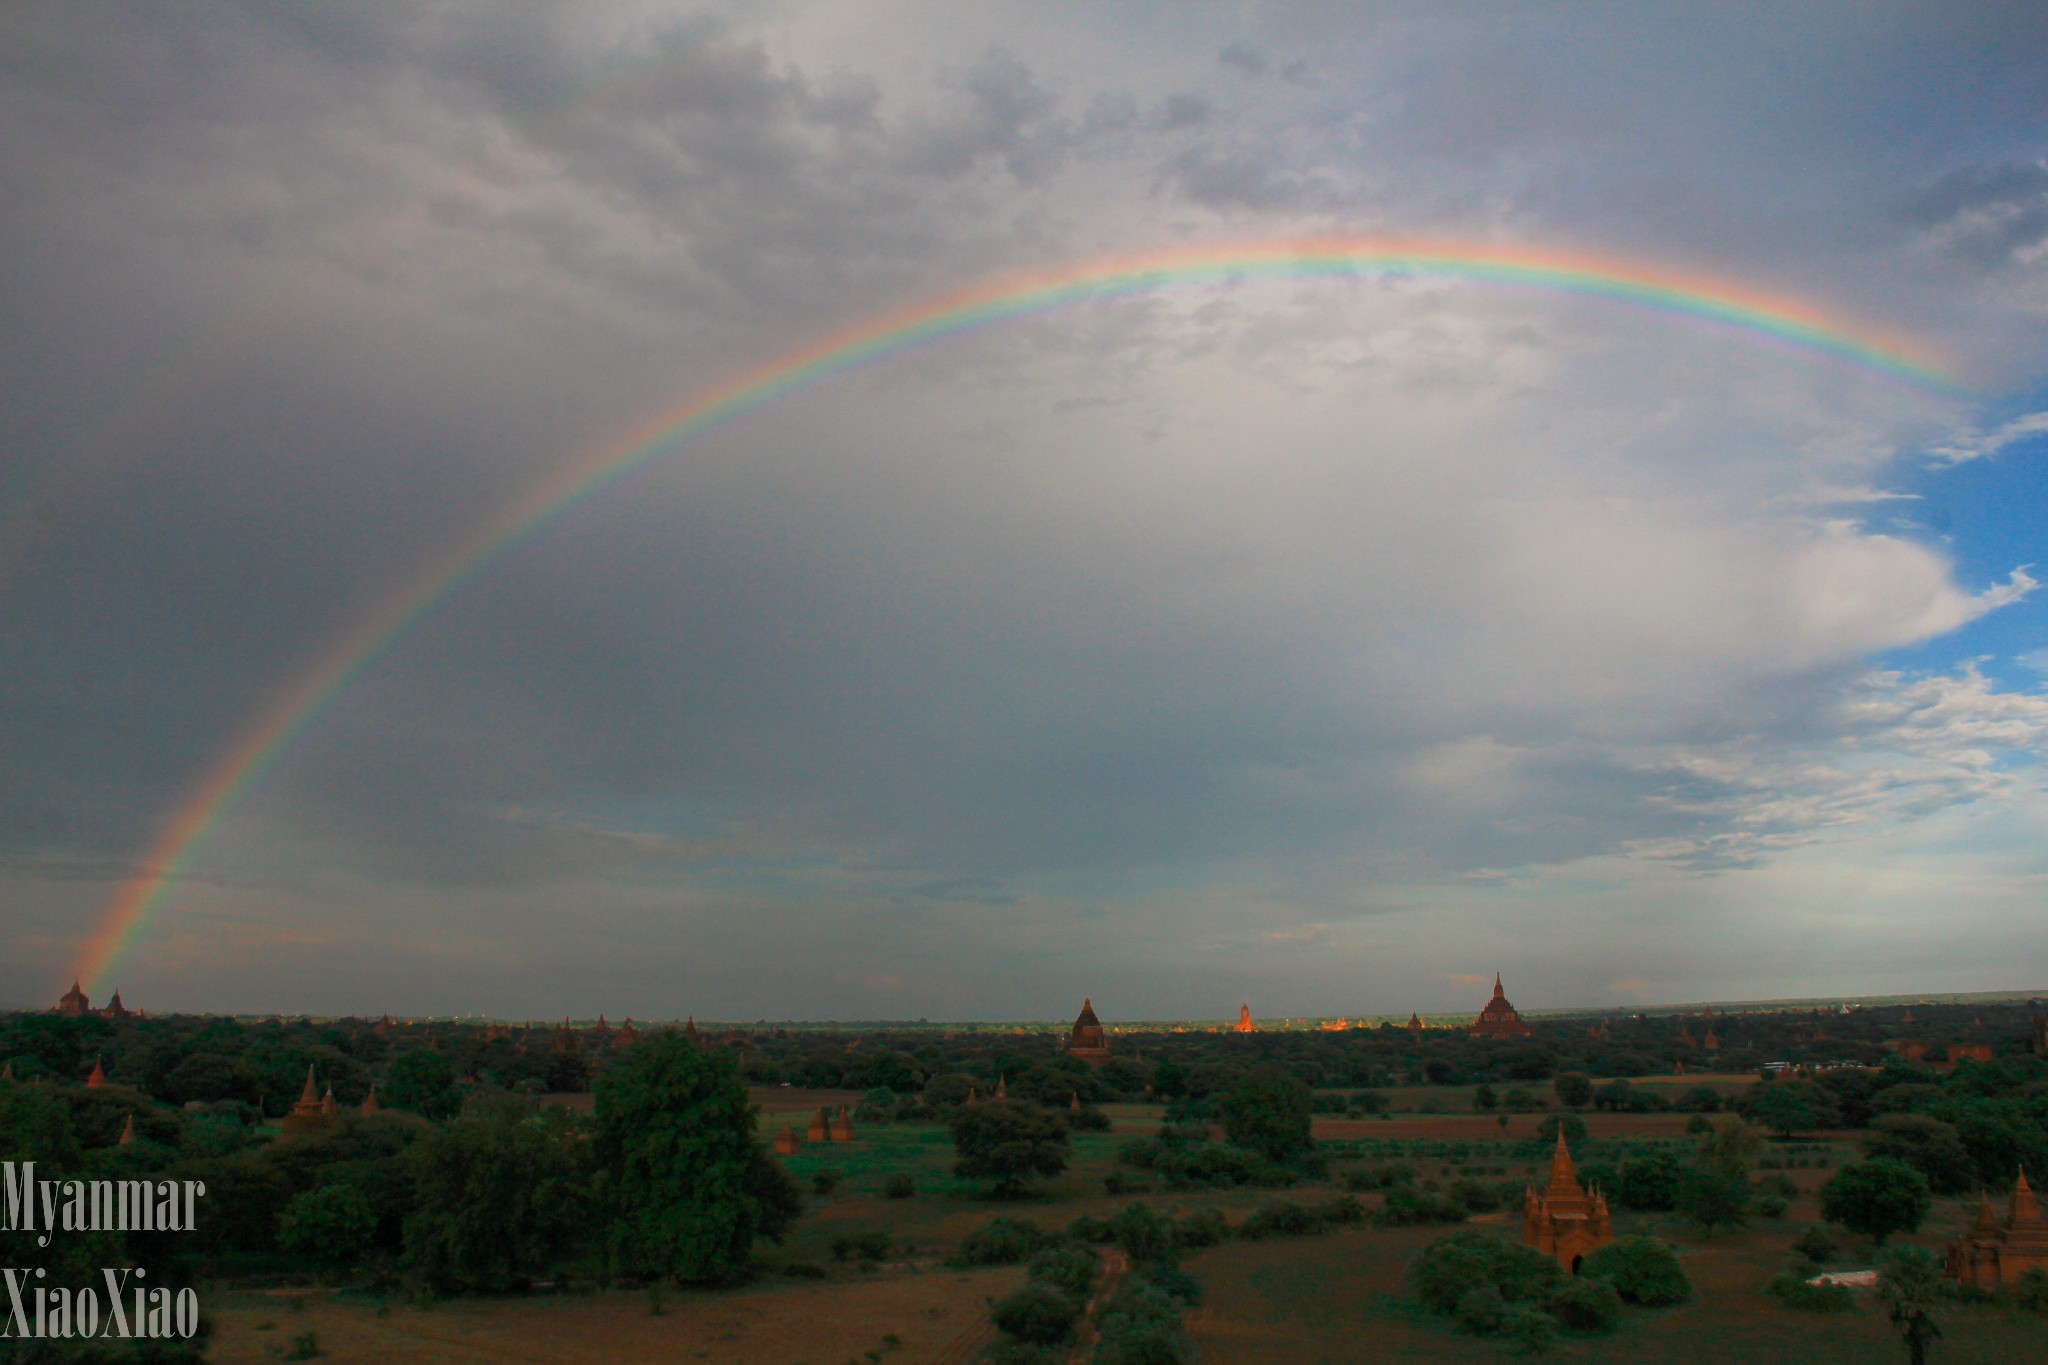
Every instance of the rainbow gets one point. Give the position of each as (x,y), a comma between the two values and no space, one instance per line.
(1758,317)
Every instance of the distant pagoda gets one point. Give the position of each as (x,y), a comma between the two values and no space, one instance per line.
(1499,1019)
(1991,1254)
(1244,1020)
(1087,1041)
(73,1003)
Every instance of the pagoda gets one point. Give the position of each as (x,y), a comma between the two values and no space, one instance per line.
(1414,1024)
(1499,1019)
(842,1126)
(821,1127)
(370,1105)
(98,1077)
(1087,1040)
(115,1009)
(1991,1254)
(311,1113)
(1244,1020)
(787,1143)
(1564,1222)
(626,1036)
(73,1002)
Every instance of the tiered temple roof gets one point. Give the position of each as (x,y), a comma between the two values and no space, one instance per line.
(1565,1221)
(1244,1020)
(74,1002)
(1991,1254)
(1087,1040)
(1499,1019)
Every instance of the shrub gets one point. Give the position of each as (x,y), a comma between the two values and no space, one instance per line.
(1376,1179)
(1038,1314)
(1642,1270)
(1069,1268)
(1698,1125)
(1473,1196)
(2029,1291)
(1143,1234)
(1141,1326)
(862,1246)
(1571,1125)
(825,1181)
(1174,1282)
(1412,1208)
(1816,1244)
(1481,1310)
(899,1186)
(1278,1218)
(1772,1206)
(1649,1184)
(1449,1268)
(1585,1305)
(1000,1241)
(1794,1292)
(1202,1228)
(1533,1333)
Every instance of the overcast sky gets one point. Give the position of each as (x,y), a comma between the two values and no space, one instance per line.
(1326,646)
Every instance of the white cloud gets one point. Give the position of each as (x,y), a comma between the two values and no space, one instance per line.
(1977,445)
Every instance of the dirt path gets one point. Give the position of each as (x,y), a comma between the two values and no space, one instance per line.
(1115,1265)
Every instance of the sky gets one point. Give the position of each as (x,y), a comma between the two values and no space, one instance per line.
(1323,645)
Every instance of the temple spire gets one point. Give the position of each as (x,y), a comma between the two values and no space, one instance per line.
(1498,993)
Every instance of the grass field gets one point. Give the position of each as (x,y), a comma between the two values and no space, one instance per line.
(1335,1298)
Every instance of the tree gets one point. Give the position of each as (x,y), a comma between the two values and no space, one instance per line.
(1713,1198)
(1928,1145)
(689,1185)
(422,1082)
(331,1227)
(1571,1125)
(1642,1270)
(1485,1100)
(1908,1283)
(1876,1198)
(1788,1107)
(1008,1143)
(498,1199)
(1574,1089)
(1730,1148)
(1269,1112)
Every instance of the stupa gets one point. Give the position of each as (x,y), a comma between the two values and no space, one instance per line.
(787,1143)
(1087,1041)
(1414,1024)
(74,1002)
(1564,1222)
(98,1077)
(310,1114)
(115,1009)
(842,1126)
(127,1138)
(821,1127)
(1499,1019)
(370,1105)
(1990,1254)
(1244,1020)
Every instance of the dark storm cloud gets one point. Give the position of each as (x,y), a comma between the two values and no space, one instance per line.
(1133,617)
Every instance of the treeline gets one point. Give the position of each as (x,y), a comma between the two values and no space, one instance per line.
(664,1180)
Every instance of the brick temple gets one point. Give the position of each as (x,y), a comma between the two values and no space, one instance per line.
(1499,1019)
(1990,1253)
(1087,1041)
(1564,1221)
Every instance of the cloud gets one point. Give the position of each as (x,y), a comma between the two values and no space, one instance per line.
(1984,445)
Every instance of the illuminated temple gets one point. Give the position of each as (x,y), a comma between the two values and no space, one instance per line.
(1564,1221)
(1087,1041)
(1499,1019)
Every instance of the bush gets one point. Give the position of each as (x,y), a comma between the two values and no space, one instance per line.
(825,1181)
(2029,1291)
(899,1186)
(1816,1244)
(860,1246)
(1268,1112)
(1649,1184)
(1376,1179)
(1001,1241)
(1451,1267)
(1571,1125)
(1481,1310)
(1473,1196)
(1202,1228)
(1794,1292)
(1698,1125)
(1533,1333)
(1772,1206)
(1038,1314)
(1642,1270)
(1585,1305)
(1143,1234)
(1171,1280)
(1069,1268)
(1141,1326)
(1412,1208)
(1278,1218)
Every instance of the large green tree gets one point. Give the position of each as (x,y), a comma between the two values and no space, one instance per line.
(1908,1285)
(1007,1143)
(689,1185)
(423,1082)
(1269,1112)
(497,1200)
(1877,1198)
